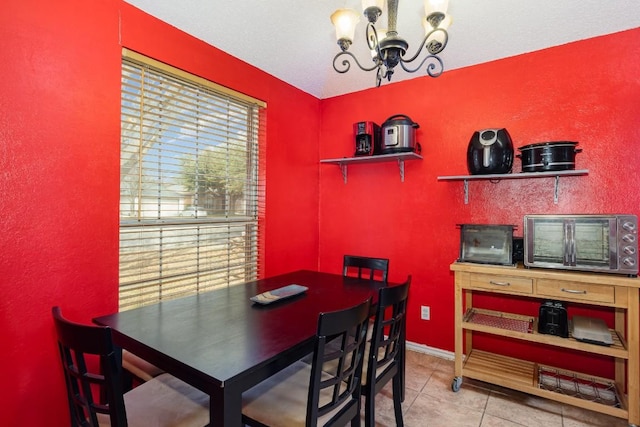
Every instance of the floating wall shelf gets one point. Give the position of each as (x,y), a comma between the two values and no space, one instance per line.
(498,177)
(399,157)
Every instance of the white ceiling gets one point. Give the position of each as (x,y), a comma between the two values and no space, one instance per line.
(294,40)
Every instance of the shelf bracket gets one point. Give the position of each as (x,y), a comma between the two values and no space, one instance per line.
(401,167)
(466,191)
(343,169)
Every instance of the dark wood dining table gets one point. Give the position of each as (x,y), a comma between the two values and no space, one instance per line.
(223,343)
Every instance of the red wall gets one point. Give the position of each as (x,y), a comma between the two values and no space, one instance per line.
(572,92)
(59,157)
(59,163)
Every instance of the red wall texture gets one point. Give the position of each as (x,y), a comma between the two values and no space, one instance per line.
(573,92)
(59,163)
(59,157)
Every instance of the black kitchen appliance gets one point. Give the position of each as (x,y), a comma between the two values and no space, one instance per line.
(490,151)
(552,319)
(367,135)
(549,156)
(517,248)
(399,135)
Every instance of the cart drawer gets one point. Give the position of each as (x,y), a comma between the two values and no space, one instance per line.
(576,291)
(499,283)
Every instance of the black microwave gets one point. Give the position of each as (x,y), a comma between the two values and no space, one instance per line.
(597,243)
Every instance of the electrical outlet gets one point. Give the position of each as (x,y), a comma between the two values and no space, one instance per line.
(425,312)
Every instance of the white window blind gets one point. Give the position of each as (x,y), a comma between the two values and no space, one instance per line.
(190,184)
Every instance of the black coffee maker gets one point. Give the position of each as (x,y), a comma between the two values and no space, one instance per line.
(367,135)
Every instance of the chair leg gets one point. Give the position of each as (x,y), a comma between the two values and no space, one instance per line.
(355,422)
(370,409)
(397,399)
(403,362)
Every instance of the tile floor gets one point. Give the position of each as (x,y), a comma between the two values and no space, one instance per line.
(429,402)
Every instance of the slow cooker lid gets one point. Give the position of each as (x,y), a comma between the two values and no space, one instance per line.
(549,145)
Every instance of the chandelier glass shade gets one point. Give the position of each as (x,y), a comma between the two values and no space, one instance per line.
(387,48)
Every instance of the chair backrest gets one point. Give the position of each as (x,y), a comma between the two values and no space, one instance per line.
(88,377)
(388,332)
(338,386)
(372,265)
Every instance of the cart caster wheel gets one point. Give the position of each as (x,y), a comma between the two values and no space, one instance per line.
(456,384)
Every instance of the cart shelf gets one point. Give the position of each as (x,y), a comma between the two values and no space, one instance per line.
(585,391)
(526,328)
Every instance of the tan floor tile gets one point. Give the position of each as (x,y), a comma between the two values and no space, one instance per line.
(578,417)
(384,401)
(439,411)
(524,409)
(422,359)
(446,366)
(472,394)
(417,374)
(385,415)
(491,421)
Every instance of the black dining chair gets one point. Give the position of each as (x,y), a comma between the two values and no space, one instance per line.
(378,268)
(307,395)
(386,351)
(93,376)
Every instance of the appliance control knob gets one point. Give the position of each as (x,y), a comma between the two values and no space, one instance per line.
(629,238)
(629,250)
(628,261)
(629,226)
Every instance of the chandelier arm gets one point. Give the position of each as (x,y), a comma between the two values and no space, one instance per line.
(381,74)
(434,47)
(434,68)
(346,65)
(371,34)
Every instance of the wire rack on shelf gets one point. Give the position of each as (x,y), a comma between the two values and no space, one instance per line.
(585,387)
(512,322)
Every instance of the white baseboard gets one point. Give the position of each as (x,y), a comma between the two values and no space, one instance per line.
(432,351)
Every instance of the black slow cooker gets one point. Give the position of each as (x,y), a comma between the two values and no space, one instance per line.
(549,156)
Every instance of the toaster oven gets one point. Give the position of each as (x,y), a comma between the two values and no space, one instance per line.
(486,244)
(600,243)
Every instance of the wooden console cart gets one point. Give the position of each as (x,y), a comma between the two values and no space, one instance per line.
(613,396)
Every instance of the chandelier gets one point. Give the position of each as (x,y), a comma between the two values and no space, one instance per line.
(387,48)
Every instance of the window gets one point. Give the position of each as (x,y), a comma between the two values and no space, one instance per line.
(190,184)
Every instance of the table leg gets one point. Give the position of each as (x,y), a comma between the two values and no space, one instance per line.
(225,407)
